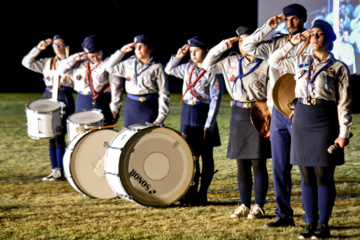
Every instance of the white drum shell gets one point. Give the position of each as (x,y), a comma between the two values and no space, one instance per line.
(43,119)
(173,180)
(78,122)
(92,182)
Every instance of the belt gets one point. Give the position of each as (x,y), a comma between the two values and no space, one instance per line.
(243,104)
(63,88)
(142,98)
(311,101)
(192,102)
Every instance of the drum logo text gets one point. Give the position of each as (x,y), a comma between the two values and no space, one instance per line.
(143,183)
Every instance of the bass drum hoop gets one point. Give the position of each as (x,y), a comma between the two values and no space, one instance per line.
(152,135)
(98,171)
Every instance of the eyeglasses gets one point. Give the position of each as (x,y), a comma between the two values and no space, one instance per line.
(57,44)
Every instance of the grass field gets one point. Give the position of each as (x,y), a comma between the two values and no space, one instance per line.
(32,209)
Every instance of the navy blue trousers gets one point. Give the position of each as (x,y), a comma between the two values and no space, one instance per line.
(280,136)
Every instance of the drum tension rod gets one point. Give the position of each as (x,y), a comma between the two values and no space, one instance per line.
(115,174)
(107,145)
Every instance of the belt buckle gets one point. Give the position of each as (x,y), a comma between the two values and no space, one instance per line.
(142,99)
(85,93)
(313,101)
(191,102)
(247,105)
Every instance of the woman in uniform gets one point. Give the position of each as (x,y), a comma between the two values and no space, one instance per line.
(49,68)
(146,83)
(322,117)
(202,93)
(246,80)
(92,82)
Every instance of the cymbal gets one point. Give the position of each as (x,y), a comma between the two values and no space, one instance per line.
(260,118)
(284,93)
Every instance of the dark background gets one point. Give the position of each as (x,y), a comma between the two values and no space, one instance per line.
(116,22)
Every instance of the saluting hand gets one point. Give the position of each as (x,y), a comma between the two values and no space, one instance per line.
(298,38)
(44,44)
(182,51)
(128,47)
(230,41)
(79,56)
(274,21)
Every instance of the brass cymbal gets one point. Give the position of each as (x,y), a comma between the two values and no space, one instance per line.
(260,118)
(284,93)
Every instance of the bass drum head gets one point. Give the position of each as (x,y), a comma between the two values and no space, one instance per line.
(156,166)
(43,105)
(87,163)
(86,117)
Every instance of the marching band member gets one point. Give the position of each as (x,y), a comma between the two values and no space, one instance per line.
(322,117)
(246,80)
(92,82)
(49,68)
(202,92)
(295,16)
(145,83)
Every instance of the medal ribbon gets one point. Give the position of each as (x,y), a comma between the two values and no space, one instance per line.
(191,85)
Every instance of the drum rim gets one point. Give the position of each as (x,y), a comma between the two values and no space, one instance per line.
(123,178)
(43,112)
(86,123)
(78,138)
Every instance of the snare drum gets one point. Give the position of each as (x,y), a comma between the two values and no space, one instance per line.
(78,122)
(43,119)
(151,165)
(83,163)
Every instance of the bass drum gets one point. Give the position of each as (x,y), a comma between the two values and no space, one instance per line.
(151,165)
(43,119)
(84,163)
(78,122)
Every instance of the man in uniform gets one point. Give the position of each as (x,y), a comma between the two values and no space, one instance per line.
(294,16)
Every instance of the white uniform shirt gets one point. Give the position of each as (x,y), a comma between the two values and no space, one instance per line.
(255,46)
(255,84)
(100,78)
(152,79)
(208,88)
(47,67)
(331,84)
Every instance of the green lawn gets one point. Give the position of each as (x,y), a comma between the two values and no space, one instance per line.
(32,209)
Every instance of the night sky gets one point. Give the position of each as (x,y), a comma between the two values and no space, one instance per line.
(169,23)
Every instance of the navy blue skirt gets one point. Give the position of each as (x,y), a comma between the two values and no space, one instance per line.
(244,140)
(314,129)
(137,112)
(193,119)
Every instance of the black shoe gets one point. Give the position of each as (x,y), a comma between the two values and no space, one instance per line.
(308,231)
(280,222)
(322,231)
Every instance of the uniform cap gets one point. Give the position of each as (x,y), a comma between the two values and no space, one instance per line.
(195,42)
(91,44)
(143,39)
(243,30)
(326,28)
(295,9)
